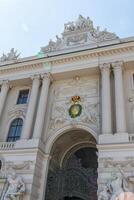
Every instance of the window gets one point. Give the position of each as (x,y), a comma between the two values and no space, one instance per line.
(0,164)
(133,80)
(15,130)
(23,97)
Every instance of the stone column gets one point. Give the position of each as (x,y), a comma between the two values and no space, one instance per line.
(3,95)
(31,107)
(45,169)
(106,99)
(42,106)
(119,98)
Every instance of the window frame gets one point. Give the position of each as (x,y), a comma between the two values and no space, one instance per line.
(21,103)
(14,136)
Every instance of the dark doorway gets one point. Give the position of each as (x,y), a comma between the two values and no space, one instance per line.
(72,198)
(76,179)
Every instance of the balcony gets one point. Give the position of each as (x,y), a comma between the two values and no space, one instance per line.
(131,137)
(20,144)
(7,145)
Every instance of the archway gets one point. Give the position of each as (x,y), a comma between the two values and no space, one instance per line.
(72,171)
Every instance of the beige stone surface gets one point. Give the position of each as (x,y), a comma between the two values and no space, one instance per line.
(102,75)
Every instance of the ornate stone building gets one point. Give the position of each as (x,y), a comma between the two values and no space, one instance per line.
(67,118)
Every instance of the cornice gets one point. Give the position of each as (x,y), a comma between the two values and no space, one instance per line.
(72,57)
(17,68)
(92,55)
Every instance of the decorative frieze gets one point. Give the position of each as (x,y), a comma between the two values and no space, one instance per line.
(63,92)
(26,165)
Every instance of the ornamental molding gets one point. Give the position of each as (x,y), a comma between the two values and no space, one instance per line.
(92,55)
(10,166)
(63,91)
(39,65)
(26,165)
(6,69)
(105,67)
(78,33)
(17,111)
(111,163)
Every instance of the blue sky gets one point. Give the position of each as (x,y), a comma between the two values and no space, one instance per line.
(27,25)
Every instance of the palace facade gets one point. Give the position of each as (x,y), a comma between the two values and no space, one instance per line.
(67,117)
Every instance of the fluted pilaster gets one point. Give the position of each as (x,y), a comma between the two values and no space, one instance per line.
(119,98)
(31,107)
(42,106)
(106,99)
(3,94)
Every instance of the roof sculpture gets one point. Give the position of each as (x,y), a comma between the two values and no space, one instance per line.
(77,33)
(11,56)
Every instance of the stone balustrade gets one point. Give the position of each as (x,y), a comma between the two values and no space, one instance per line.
(7,145)
(131,137)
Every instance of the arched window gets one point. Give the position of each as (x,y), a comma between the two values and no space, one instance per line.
(15,130)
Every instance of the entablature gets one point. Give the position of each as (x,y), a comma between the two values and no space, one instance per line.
(74,61)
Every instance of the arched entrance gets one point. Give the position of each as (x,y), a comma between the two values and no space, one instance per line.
(72,171)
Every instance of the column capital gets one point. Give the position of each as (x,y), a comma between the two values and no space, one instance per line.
(47,76)
(105,66)
(5,83)
(35,77)
(118,65)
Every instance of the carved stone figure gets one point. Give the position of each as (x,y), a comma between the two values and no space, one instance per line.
(12,55)
(79,32)
(59,117)
(3,58)
(16,187)
(115,186)
(69,26)
(119,185)
(80,23)
(90,114)
(89,23)
(103,35)
(59,40)
(51,44)
(104,194)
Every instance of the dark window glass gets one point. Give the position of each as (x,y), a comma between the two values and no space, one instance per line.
(23,96)
(15,130)
(0,164)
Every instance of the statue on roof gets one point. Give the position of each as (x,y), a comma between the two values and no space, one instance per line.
(81,23)
(70,26)
(79,32)
(12,55)
(3,58)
